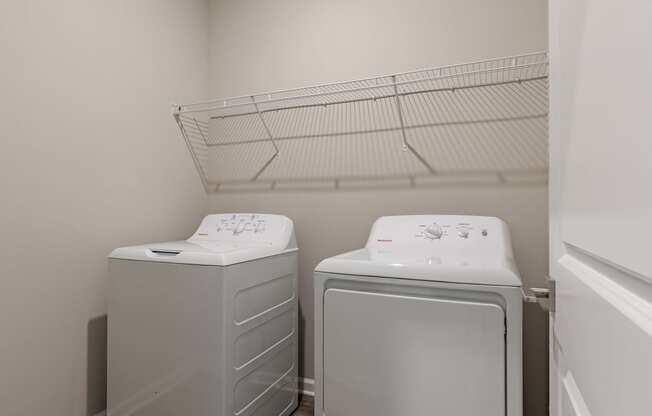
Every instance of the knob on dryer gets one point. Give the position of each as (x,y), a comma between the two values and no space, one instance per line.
(434,231)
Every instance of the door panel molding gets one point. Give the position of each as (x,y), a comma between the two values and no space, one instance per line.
(631,304)
(573,403)
(604,332)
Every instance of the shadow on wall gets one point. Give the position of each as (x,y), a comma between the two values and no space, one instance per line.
(96,365)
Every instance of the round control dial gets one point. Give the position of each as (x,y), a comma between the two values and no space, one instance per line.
(239,228)
(433,231)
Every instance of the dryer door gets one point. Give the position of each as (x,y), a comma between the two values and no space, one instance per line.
(388,355)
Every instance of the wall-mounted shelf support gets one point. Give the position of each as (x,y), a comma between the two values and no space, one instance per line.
(186,137)
(270,136)
(406,145)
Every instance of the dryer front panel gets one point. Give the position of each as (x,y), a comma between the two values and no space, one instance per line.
(390,354)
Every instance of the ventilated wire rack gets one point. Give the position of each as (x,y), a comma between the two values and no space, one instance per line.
(484,117)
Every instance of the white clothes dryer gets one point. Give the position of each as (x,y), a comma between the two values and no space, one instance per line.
(425,320)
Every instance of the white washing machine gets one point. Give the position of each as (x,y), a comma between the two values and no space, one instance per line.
(425,320)
(206,326)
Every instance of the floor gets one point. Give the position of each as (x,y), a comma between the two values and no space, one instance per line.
(305,407)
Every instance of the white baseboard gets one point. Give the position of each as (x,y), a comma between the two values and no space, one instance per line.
(307,386)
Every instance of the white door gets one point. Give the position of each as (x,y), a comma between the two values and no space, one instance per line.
(601,207)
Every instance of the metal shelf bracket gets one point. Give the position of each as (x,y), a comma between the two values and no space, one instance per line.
(269,135)
(406,144)
(176,109)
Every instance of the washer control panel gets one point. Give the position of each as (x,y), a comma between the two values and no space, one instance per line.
(264,228)
(237,224)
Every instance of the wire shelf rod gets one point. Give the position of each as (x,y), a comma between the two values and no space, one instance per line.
(382,130)
(513,58)
(185,108)
(375,98)
(315,95)
(353,178)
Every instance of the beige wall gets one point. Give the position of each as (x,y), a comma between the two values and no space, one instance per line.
(257,46)
(90,159)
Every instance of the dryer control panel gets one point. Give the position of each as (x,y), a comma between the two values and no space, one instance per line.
(463,229)
(453,233)
(245,227)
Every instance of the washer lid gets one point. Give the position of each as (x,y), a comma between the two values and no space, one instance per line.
(221,240)
(447,248)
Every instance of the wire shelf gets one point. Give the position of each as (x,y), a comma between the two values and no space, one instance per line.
(481,117)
